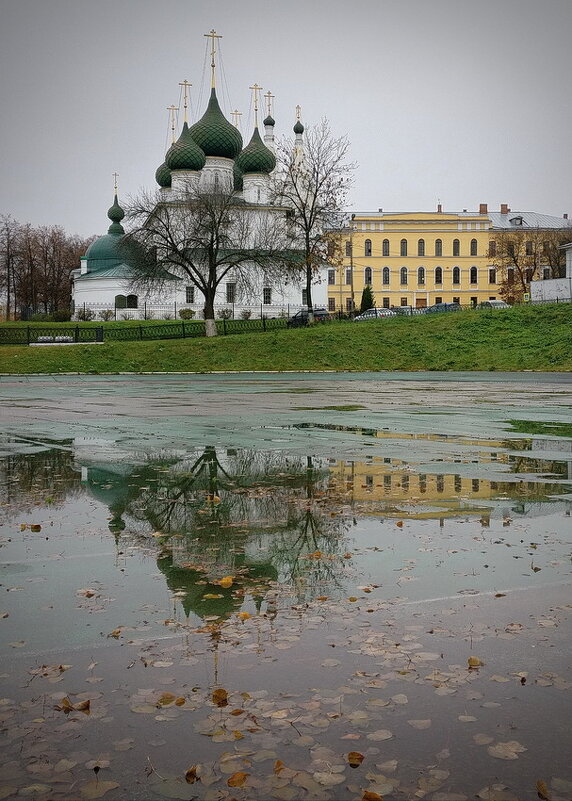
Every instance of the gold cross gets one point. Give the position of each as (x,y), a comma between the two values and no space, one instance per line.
(269,98)
(255,90)
(115,177)
(298,112)
(236,114)
(172,110)
(185,84)
(213,35)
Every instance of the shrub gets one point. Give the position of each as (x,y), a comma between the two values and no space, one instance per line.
(85,314)
(186,314)
(167,316)
(245,314)
(225,314)
(61,316)
(41,318)
(106,315)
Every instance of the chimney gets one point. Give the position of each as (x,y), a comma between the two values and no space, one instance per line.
(483,208)
(565,216)
(439,208)
(504,208)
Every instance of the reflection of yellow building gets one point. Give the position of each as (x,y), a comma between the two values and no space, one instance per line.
(415,259)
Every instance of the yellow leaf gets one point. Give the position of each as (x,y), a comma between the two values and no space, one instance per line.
(213,595)
(369,796)
(35,527)
(237,779)
(474,662)
(278,766)
(542,790)
(355,759)
(83,706)
(191,775)
(243,615)
(116,633)
(64,706)
(238,735)
(220,697)
(226,581)
(180,701)
(166,699)
(97,789)
(352,598)
(237,712)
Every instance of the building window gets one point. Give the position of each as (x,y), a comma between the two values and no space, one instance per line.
(421,247)
(473,247)
(348,276)
(367,247)
(422,482)
(385,247)
(528,248)
(403,275)
(267,295)
(492,275)
(331,248)
(230,293)
(474,275)
(304,297)
(404,302)
(440,483)
(474,302)
(367,275)
(458,484)
(189,294)
(438,299)
(120,302)
(331,276)
(456,275)
(349,304)
(456,247)
(403,247)
(438,275)
(475,485)
(456,299)
(385,275)
(132,301)
(492,248)
(385,303)
(348,248)
(421,276)
(510,275)
(331,304)
(510,248)
(527,276)
(546,273)
(438,247)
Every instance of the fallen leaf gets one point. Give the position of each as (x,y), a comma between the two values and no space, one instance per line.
(220,697)
(474,662)
(97,789)
(237,779)
(508,750)
(370,796)
(543,791)
(226,581)
(355,759)
(35,527)
(166,699)
(243,615)
(191,775)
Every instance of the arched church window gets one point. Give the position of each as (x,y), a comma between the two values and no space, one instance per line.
(367,247)
(438,247)
(456,247)
(403,249)
(438,274)
(456,275)
(403,275)
(421,276)
(385,275)
(120,302)
(473,247)
(367,275)
(474,275)
(385,247)
(132,301)
(421,247)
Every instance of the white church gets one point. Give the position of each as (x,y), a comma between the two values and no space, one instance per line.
(208,156)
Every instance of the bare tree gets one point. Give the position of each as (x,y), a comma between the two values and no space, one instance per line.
(204,237)
(314,183)
(521,256)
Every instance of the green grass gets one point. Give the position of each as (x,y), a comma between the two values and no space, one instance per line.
(523,338)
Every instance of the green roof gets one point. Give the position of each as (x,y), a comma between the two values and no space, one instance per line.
(185,153)
(215,134)
(163,175)
(256,157)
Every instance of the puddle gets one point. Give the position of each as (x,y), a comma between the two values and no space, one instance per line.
(235,609)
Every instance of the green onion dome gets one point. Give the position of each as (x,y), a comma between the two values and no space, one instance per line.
(269,121)
(298,128)
(237,175)
(215,134)
(104,251)
(256,157)
(185,153)
(163,176)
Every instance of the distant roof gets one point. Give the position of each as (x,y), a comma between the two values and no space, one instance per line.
(530,219)
(123,271)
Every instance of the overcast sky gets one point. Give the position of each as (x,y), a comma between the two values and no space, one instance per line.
(462,101)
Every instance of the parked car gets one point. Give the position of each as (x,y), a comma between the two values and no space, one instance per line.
(301,317)
(373,314)
(494,304)
(443,307)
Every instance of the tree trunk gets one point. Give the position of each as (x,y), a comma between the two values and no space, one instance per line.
(210,322)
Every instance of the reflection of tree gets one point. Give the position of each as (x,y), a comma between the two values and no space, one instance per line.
(46,476)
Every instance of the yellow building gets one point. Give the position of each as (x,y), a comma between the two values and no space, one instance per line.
(415,259)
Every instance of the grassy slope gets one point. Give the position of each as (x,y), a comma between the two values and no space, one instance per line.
(523,338)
